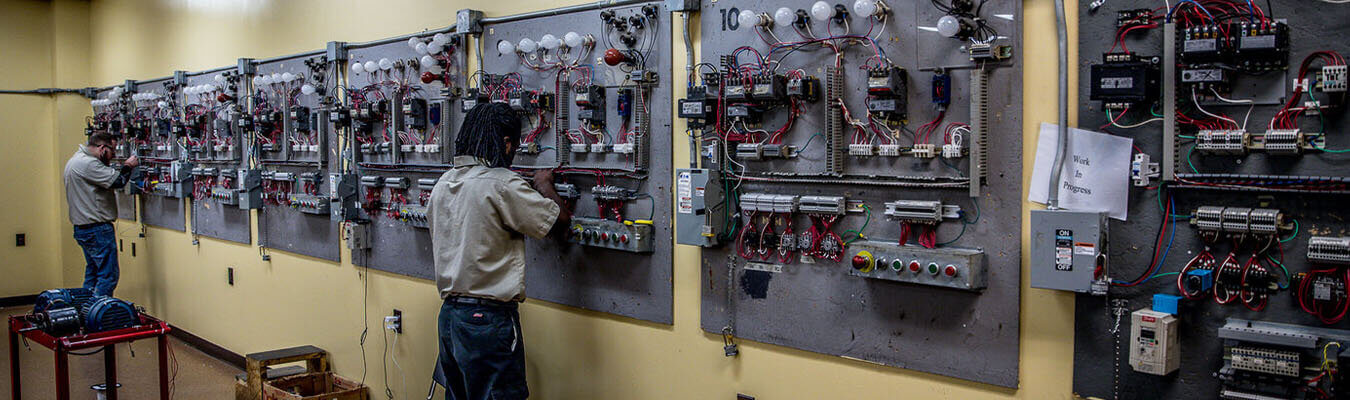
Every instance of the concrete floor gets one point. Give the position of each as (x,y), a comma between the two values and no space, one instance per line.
(200,376)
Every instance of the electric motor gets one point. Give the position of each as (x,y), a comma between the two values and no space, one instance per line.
(56,298)
(108,313)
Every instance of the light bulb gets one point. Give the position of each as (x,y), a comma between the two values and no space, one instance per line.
(421,48)
(436,69)
(440,38)
(267,80)
(527,46)
(287,77)
(385,64)
(220,78)
(572,39)
(950,26)
(749,18)
(428,61)
(784,17)
(412,42)
(372,67)
(163,104)
(821,11)
(356,69)
(435,48)
(307,89)
(549,42)
(505,47)
(866,8)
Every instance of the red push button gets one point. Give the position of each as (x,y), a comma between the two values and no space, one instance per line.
(859,262)
(604,235)
(623,238)
(950,271)
(914,266)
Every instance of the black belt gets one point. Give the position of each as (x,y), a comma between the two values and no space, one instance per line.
(91,225)
(479,301)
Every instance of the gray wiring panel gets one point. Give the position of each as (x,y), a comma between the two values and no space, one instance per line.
(905,116)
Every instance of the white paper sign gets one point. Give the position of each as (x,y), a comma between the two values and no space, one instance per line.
(1096,172)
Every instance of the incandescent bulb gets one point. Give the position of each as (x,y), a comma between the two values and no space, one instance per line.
(527,46)
(440,38)
(267,80)
(821,11)
(865,8)
(434,48)
(573,39)
(549,42)
(412,41)
(307,89)
(372,67)
(385,64)
(748,18)
(505,47)
(784,16)
(421,48)
(356,69)
(220,78)
(163,104)
(428,61)
(287,77)
(950,26)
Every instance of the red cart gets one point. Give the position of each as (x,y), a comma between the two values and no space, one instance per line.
(148,328)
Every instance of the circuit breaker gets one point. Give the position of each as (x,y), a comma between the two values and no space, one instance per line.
(1068,250)
(1154,345)
(697,222)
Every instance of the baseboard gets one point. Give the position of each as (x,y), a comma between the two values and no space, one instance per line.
(211,349)
(12,301)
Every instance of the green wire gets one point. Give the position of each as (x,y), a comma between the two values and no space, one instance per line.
(958,236)
(1164,274)
(1286,271)
(1186,137)
(1161,209)
(1188,159)
(1291,237)
(863,228)
(1325,150)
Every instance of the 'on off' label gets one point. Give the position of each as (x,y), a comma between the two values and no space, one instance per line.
(1063,250)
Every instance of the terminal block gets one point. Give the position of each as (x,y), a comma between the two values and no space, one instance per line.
(924,150)
(611,193)
(630,236)
(761,151)
(888,150)
(828,205)
(1284,142)
(1233,142)
(769,203)
(1123,80)
(861,149)
(1330,250)
(921,211)
(1238,221)
(954,268)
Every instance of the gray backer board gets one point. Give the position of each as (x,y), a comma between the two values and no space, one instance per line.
(281,227)
(151,118)
(163,212)
(126,203)
(818,306)
(1132,241)
(397,246)
(210,218)
(634,285)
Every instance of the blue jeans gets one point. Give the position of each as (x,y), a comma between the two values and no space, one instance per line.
(482,352)
(100,257)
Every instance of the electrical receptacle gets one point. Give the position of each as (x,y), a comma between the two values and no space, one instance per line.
(394,322)
(20,239)
(229,275)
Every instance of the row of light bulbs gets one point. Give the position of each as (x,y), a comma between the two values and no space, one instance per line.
(428,62)
(265,79)
(436,45)
(547,42)
(820,11)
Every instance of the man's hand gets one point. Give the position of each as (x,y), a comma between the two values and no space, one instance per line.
(543,178)
(132,161)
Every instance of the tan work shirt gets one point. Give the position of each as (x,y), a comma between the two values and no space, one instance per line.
(479,217)
(89,193)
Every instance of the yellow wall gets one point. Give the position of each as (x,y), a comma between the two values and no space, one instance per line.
(29,184)
(292,300)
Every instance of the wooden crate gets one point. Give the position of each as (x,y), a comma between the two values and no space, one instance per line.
(258,370)
(315,386)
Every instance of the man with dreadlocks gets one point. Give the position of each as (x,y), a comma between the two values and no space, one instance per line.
(480,212)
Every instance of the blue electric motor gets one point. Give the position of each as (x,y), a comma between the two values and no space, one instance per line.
(57,298)
(107,313)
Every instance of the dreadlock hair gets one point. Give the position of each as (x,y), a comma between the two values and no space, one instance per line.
(481,135)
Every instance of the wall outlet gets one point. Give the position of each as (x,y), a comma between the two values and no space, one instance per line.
(394,322)
(229,274)
(20,239)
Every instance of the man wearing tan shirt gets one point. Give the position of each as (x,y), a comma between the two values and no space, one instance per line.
(480,212)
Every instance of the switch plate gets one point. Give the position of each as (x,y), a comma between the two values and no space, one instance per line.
(968,265)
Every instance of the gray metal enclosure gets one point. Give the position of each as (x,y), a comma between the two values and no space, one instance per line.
(634,285)
(210,217)
(825,306)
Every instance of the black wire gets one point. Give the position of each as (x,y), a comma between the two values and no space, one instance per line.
(100,349)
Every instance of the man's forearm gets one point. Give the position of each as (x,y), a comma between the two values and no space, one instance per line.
(123,176)
(564,215)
